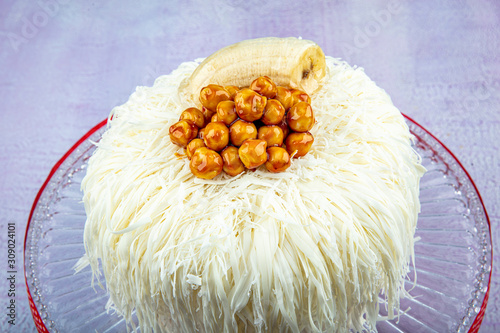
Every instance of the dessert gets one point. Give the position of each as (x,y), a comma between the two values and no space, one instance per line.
(304,244)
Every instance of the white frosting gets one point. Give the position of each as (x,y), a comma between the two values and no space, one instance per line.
(309,249)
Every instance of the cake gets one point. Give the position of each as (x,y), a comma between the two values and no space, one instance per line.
(317,247)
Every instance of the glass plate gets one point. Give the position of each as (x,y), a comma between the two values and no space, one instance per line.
(453,256)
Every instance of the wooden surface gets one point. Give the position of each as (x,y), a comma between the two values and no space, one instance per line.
(65,64)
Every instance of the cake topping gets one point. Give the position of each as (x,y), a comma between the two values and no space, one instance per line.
(299,144)
(243,123)
(299,96)
(232,90)
(232,162)
(194,115)
(278,159)
(242,130)
(212,95)
(206,163)
(300,117)
(216,135)
(226,112)
(264,86)
(284,96)
(253,153)
(273,113)
(193,145)
(273,135)
(182,132)
(207,114)
(249,104)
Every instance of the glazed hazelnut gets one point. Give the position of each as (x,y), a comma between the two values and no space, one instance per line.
(273,135)
(300,117)
(249,104)
(238,129)
(232,90)
(192,146)
(214,118)
(201,133)
(284,96)
(253,153)
(299,96)
(182,132)
(194,115)
(299,143)
(242,130)
(206,163)
(278,159)
(284,127)
(226,112)
(273,112)
(208,114)
(232,163)
(212,95)
(264,86)
(216,136)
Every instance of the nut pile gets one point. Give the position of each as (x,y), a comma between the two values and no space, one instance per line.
(239,129)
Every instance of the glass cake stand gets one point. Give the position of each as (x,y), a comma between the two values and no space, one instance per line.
(453,256)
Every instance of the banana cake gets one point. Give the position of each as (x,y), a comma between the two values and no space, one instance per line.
(315,247)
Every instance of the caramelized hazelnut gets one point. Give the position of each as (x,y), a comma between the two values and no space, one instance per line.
(299,143)
(201,133)
(232,90)
(194,115)
(284,96)
(249,104)
(226,112)
(299,96)
(214,118)
(208,114)
(264,86)
(273,135)
(182,132)
(242,130)
(278,159)
(253,153)
(216,136)
(212,95)
(206,163)
(300,117)
(273,112)
(284,127)
(192,146)
(232,163)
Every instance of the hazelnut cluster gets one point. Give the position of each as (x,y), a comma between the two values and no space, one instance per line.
(239,129)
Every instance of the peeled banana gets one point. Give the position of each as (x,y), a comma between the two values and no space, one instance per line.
(291,62)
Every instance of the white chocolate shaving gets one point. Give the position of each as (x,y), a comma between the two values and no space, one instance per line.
(309,249)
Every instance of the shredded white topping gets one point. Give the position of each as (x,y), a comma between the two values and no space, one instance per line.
(310,249)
